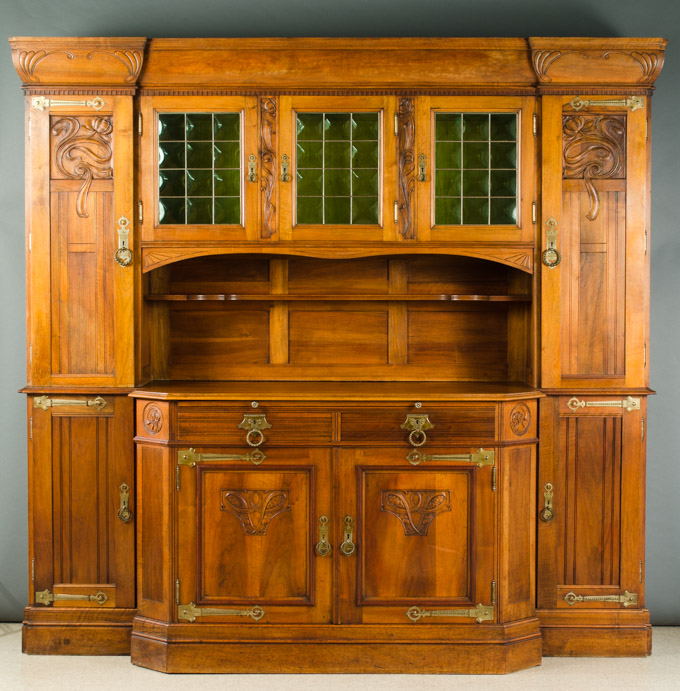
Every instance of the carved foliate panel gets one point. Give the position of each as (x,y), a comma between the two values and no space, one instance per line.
(255,508)
(268,165)
(415,508)
(406,127)
(594,148)
(82,149)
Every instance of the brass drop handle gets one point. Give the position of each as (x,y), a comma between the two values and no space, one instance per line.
(254,423)
(347,547)
(323,547)
(551,256)
(123,255)
(252,165)
(422,168)
(416,424)
(548,512)
(43,402)
(124,513)
(285,168)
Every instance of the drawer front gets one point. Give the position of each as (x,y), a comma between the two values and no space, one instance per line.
(211,422)
(475,423)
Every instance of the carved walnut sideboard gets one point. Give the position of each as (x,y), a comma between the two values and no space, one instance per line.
(337,350)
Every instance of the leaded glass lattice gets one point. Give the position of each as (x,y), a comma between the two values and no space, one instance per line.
(338,168)
(475,178)
(199,168)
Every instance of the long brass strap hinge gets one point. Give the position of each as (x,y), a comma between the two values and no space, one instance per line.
(480,459)
(191,457)
(627,599)
(43,402)
(629,403)
(42,103)
(190,612)
(45,597)
(632,102)
(480,613)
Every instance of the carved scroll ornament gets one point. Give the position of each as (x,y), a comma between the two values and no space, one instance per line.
(406,127)
(83,151)
(415,508)
(520,419)
(594,149)
(268,165)
(255,508)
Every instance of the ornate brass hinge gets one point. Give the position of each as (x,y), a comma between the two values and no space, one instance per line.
(480,459)
(627,599)
(44,402)
(41,103)
(629,403)
(45,597)
(632,102)
(480,613)
(191,457)
(190,612)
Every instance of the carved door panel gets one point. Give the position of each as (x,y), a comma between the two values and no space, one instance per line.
(594,231)
(591,527)
(475,171)
(81,483)
(200,170)
(414,542)
(247,535)
(79,214)
(336,168)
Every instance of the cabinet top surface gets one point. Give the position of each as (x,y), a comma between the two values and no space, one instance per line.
(336,391)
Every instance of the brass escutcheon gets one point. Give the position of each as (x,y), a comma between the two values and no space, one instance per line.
(416,424)
(347,547)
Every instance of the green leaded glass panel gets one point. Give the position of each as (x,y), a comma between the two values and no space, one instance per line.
(338,168)
(199,168)
(475,169)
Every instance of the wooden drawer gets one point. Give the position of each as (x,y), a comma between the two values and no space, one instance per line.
(455,423)
(219,423)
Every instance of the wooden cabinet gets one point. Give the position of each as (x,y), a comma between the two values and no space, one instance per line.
(382,306)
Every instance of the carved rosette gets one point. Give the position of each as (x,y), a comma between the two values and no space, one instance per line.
(268,165)
(255,508)
(83,150)
(415,508)
(594,148)
(152,418)
(520,419)
(406,139)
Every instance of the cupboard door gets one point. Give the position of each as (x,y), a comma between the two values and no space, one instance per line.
(81,483)
(476,169)
(80,325)
(200,169)
(594,196)
(592,463)
(421,538)
(247,537)
(339,184)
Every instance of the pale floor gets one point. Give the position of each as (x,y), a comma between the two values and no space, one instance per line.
(660,672)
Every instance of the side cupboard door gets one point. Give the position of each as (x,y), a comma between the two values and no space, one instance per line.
(594,243)
(81,243)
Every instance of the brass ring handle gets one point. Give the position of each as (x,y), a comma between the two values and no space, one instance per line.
(124,513)
(323,546)
(123,256)
(347,547)
(417,437)
(416,424)
(252,166)
(254,433)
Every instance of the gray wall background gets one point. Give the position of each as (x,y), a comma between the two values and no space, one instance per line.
(236,18)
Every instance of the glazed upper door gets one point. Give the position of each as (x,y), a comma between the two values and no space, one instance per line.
(247,536)
(81,228)
(594,302)
(82,489)
(591,502)
(475,160)
(336,159)
(415,543)
(200,171)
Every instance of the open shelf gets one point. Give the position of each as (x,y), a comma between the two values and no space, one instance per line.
(217,297)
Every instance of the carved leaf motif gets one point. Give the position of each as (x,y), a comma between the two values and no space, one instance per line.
(648,63)
(520,417)
(268,165)
(83,151)
(29,60)
(255,508)
(406,128)
(415,508)
(520,259)
(594,148)
(542,60)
